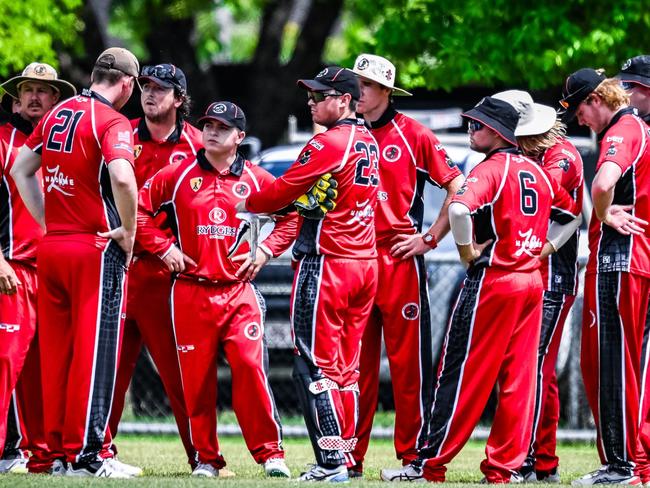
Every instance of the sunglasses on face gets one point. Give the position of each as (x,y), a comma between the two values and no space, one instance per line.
(318,97)
(474,125)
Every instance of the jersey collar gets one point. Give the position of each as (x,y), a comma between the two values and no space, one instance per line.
(87,92)
(351,121)
(616,118)
(145,135)
(510,150)
(388,115)
(21,124)
(236,168)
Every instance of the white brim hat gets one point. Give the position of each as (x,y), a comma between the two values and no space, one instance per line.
(534,118)
(378,69)
(43,73)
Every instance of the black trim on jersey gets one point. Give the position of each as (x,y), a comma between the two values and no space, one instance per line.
(484,231)
(509,149)
(427,366)
(455,353)
(5,223)
(306,241)
(611,389)
(171,218)
(145,135)
(385,118)
(351,121)
(416,212)
(616,118)
(107,345)
(563,271)
(87,92)
(236,168)
(646,118)
(106,190)
(23,125)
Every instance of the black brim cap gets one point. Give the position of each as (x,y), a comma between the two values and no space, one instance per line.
(636,70)
(577,87)
(157,81)
(226,112)
(334,78)
(498,115)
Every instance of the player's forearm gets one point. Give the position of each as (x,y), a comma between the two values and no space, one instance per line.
(558,234)
(283,235)
(602,188)
(125,192)
(602,200)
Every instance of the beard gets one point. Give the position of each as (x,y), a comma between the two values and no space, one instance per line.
(157,115)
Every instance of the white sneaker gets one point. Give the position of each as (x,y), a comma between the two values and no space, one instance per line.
(276,468)
(410,472)
(59,468)
(611,475)
(98,469)
(16,465)
(127,468)
(318,473)
(206,470)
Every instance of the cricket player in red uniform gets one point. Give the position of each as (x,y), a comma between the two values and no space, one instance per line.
(410,156)
(336,276)
(214,303)
(617,284)
(542,137)
(635,79)
(162,137)
(37,89)
(504,206)
(89,212)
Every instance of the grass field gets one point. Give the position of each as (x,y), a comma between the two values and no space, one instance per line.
(163,461)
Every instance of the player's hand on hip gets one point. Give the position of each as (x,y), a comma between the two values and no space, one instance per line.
(408,245)
(177,261)
(124,238)
(9,282)
(250,267)
(619,218)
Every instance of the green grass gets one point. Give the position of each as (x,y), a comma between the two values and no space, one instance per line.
(163,461)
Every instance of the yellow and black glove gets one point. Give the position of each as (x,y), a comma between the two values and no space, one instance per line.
(320,199)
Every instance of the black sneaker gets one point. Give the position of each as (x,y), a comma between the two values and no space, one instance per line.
(611,475)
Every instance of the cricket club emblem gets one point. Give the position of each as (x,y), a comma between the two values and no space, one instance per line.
(253,331)
(137,149)
(195,183)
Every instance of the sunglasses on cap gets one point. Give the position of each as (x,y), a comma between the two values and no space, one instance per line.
(627,85)
(159,71)
(318,97)
(474,125)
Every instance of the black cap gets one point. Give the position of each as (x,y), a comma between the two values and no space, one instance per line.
(636,70)
(577,88)
(498,115)
(165,75)
(226,112)
(334,77)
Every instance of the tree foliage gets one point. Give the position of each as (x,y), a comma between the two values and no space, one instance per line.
(528,43)
(35,30)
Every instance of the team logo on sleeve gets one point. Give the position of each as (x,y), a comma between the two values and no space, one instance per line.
(137,149)
(217,215)
(392,153)
(611,151)
(411,311)
(304,157)
(253,331)
(316,144)
(564,165)
(241,190)
(124,136)
(195,183)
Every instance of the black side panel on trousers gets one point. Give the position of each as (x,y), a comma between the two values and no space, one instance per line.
(426,351)
(5,222)
(13,437)
(611,391)
(454,355)
(304,306)
(103,382)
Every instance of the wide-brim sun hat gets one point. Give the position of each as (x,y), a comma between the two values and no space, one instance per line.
(534,118)
(378,69)
(43,73)
(498,115)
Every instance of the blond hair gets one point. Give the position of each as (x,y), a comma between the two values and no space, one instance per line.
(611,93)
(534,146)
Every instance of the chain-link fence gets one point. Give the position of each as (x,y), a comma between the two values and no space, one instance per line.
(148,400)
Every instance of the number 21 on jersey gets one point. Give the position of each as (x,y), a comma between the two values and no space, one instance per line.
(62,132)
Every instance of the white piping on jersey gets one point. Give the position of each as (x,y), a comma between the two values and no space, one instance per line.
(421,375)
(250,173)
(173,200)
(189,141)
(347,151)
(414,161)
(408,146)
(496,197)
(10,252)
(315,312)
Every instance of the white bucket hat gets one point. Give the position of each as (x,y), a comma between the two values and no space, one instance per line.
(534,118)
(378,69)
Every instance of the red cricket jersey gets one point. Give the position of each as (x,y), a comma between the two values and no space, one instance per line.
(77,140)
(510,198)
(563,164)
(200,205)
(19,232)
(410,155)
(150,156)
(350,153)
(624,142)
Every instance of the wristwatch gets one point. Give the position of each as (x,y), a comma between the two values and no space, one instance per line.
(430,240)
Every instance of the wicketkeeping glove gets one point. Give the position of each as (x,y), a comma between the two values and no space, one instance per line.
(320,199)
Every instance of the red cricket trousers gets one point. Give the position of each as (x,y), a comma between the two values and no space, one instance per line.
(401,312)
(81,317)
(547,399)
(492,338)
(148,322)
(615,317)
(207,317)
